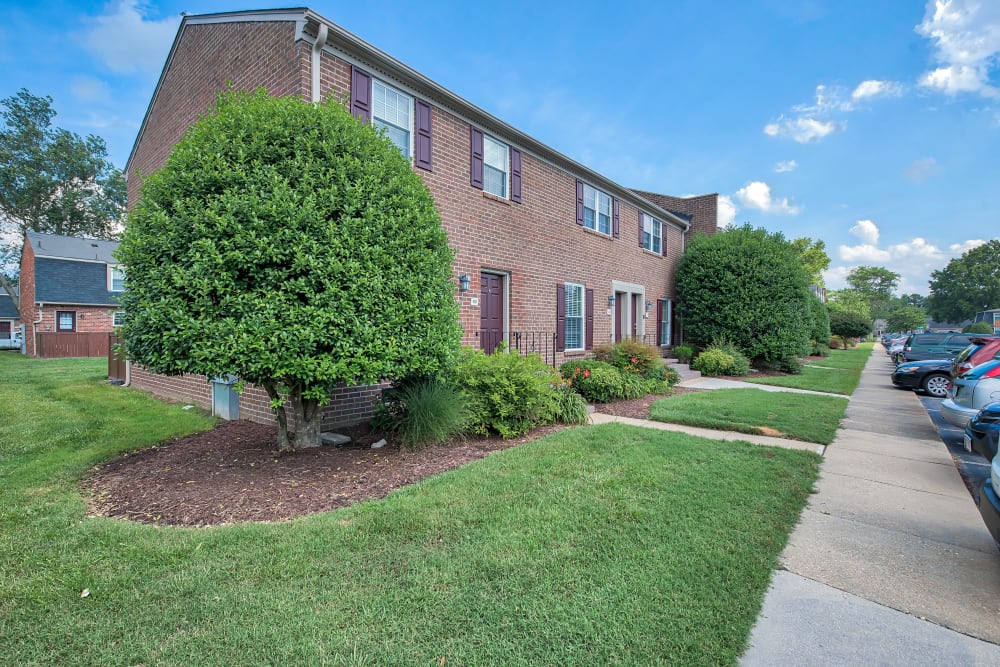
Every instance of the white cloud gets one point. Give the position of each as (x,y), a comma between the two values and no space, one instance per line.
(966,37)
(913,260)
(875,88)
(802,130)
(126,41)
(822,117)
(863,254)
(867,231)
(726,211)
(88,89)
(757,194)
(958,249)
(921,169)
(786,165)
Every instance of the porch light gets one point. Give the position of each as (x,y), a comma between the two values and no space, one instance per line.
(463,283)
(611,301)
(649,305)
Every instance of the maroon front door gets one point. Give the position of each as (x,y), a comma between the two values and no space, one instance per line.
(491,322)
(619,314)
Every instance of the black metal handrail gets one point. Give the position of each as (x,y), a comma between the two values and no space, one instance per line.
(542,343)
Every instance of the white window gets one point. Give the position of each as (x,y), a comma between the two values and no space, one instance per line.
(118,318)
(65,320)
(496,157)
(116,279)
(574,317)
(596,210)
(392,111)
(652,234)
(667,308)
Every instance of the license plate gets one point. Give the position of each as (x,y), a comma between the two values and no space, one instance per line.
(967,442)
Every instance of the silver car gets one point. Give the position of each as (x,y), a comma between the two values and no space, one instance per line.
(971,392)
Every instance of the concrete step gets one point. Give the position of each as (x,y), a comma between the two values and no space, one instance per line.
(684,370)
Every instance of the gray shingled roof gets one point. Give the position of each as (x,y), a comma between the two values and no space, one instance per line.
(69,281)
(7,309)
(69,247)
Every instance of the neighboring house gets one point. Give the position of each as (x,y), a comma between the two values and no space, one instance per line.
(991,317)
(69,289)
(551,256)
(10,320)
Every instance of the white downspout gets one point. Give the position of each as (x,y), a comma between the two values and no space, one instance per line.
(317,51)
(34,330)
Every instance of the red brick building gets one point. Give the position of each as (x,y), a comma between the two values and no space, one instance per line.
(550,255)
(68,295)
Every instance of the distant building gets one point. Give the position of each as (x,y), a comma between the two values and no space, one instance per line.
(991,317)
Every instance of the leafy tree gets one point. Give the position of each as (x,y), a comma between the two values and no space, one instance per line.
(748,286)
(875,285)
(819,332)
(903,300)
(907,318)
(849,301)
(293,246)
(52,180)
(967,285)
(814,259)
(849,325)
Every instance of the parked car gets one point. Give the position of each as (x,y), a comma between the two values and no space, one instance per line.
(12,343)
(980,349)
(971,392)
(895,349)
(982,433)
(989,500)
(931,376)
(935,345)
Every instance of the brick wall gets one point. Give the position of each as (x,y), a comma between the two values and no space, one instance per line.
(27,287)
(348,405)
(250,55)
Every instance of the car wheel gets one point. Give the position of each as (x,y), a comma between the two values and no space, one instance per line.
(936,385)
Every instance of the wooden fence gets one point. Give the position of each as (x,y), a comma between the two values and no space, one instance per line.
(52,345)
(116,360)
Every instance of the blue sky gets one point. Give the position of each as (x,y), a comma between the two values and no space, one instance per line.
(873,125)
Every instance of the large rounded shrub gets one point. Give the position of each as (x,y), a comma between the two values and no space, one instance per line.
(748,286)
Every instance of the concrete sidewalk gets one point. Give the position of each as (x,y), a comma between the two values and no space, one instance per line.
(890,562)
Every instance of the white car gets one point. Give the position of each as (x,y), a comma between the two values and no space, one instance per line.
(12,343)
(971,392)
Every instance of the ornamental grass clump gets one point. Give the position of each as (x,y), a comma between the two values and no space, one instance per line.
(422,410)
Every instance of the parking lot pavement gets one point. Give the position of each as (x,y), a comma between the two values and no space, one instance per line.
(975,469)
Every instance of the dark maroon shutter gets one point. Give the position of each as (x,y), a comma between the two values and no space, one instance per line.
(515,175)
(663,239)
(640,229)
(361,94)
(422,158)
(560,317)
(659,322)
(579,202)
(476,140)
(590,319)
(615,226)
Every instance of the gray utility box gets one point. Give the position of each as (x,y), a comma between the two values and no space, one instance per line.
(225,400)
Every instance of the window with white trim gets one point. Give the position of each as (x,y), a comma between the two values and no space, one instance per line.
(496,157)
(652,234)
(574,317)
(666,310)
(118,319)
(392,111)
(596,210)
(116,279)
(65,320)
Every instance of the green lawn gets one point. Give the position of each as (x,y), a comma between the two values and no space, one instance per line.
(806,417)
(837,374)
(597,545)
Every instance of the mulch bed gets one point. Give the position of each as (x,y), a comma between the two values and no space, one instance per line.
(233,473)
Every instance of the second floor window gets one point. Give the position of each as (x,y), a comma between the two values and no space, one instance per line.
(596,210)
(117,279)
(391,111)
(495,161)
(652,234)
